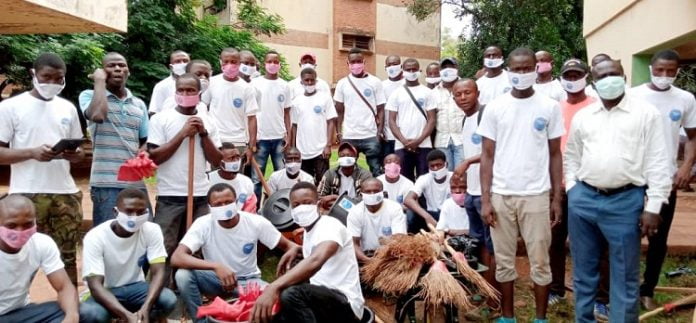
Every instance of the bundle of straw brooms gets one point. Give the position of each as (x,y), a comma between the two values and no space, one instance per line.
(396,267)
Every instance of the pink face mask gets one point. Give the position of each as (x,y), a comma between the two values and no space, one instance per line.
(458,198)
(187,101)
(357,68)
(543,67)
(230,70)
(16,239)
(272,68)
(392,170)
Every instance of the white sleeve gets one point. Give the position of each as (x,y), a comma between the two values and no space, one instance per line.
(393,101)
(156,134)
(6,124)
(157,99)
(398,220)
(431,101)
(206,97)
(689,119)
(288,96)
(251,106)
(92,257)
(155,244)
(338,94)
(75,127)
(487,128)
(336,232)
(195,237)
(555,127)
(273,182)
(573,151)
(419,186)
(353,221)
(442,222)
(656,171)
(379,92)
(330,110)
(268,234)
(213,133)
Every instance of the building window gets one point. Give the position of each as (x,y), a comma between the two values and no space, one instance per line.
(363,42)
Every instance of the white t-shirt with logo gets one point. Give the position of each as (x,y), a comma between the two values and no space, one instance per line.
(235,247)
(120,260)
(452,217)
(279,179)
(310,114)
(410,119)
(553,89)
(28,122)
(435,193)
(341,270)
(273,97)
(389,87)
(242,184)
(472,147)
(230,104)
(521,129)
(369,227)
(396,191)
(172,175)
(164,89)
(358,121)
(18,270)
(678,108)
(492,87)
(296,88)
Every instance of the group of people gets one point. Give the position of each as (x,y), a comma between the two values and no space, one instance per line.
(512,153)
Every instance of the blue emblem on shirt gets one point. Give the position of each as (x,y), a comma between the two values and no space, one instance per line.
(242,198)
(248,248)
(142,259)
(281,98)
(400,199)
(237,102)
(386,231)
(540,123)
(421,102)
(476,139)
(317,109)
(65,121)
(675,115)
(367,92)
(346,204)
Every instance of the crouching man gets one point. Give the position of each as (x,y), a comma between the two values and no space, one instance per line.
(333,293)
(228,239)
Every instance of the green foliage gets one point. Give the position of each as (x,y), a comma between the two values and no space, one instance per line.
(155,29)
(686,79)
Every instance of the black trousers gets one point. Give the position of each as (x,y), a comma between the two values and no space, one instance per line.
(558,252)
(309,303)
(657,248)
(316,167)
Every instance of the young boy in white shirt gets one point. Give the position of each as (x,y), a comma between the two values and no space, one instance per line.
(307,60)
(113,255)
(434,187)
(454,220)
(292,174)
(396,187)
(495,80)
(230,173)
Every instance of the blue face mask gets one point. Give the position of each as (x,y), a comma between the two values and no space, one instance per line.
(610,87)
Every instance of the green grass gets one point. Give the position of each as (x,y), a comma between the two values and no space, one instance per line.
(333,162)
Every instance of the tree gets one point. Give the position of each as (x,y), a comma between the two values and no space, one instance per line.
(155,29)
(551,25)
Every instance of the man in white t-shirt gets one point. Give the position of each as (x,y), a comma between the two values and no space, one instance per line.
(432,75)
(495,81)
(520,163)
(454,220)
(333,293)
(22,253)
(434,188)
(678,109)
(396,187)
(412,114)
(395,79)
(203,70)
(373,219)
(230,173)
(449,118)
(545,83)
(307,60)
(165,88)
(114,253)
(248,65)
(232,104)
(228,239)
(31,123)
(292,174)
(360,103)
(313,125)
(168,145)
(273,96)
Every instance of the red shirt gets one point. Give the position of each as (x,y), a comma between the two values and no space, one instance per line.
(568,111)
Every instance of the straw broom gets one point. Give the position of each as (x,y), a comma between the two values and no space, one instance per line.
(472,275)
(438,287)
(669,307)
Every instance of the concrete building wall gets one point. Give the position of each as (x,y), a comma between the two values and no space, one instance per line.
(62,16)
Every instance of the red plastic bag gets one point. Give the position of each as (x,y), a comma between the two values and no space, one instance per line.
(135,169)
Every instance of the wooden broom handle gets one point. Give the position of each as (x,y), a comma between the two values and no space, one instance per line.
(189,197)
(259,174)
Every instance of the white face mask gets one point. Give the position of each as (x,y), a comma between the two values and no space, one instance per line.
(393,71)
(492,62)
(304,215)
(293,168)
(574,86)
(449,74)
(223,213)
(346,161)
(372,199)
(204,84)
(47,90)
(232,166)
(440,173)
(130,223)
(411,76)
(178,68)
(522,81)
(247,69)
(312,66)
(310,88)
(661,82)
(432,80)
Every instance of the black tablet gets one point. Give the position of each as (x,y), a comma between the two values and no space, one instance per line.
(68,144)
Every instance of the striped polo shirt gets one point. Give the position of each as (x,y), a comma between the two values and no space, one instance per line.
(117,139)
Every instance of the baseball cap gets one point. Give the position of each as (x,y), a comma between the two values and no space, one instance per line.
(449,60)
(310,54)
(345,145)
(574,64)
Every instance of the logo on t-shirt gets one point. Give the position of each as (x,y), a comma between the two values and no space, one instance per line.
(242,198)
(237,102)
(675,115)
(346,204)
(65,121)
(248,248)
(281,98)
(367,92)
(540,123)
(317,109)
(142,259)
(400,198)
(386,231)
(476,139)
(421,102)
(507,89)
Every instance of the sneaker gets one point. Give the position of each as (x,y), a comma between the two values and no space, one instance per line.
(601,312)
(503,319)
(555,299)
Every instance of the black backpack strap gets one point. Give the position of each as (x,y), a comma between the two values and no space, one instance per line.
(478,118)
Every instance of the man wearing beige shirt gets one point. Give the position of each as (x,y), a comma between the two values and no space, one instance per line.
(615,150)
(449,117)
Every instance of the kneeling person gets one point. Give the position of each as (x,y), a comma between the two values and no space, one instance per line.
(228,240)
(373,219)
(113,256)
(291,174)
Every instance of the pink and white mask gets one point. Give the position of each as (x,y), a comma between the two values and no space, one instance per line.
(187,101)
(356,68)
(392,170)
(14,238)
(272,68)
(230,70)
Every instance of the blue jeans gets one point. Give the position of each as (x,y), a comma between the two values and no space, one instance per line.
(266,148)
(103,203)
(193,283)
(592,218)
(453,153)
(49,312)
(132,297)
(478,229)
(372,150)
